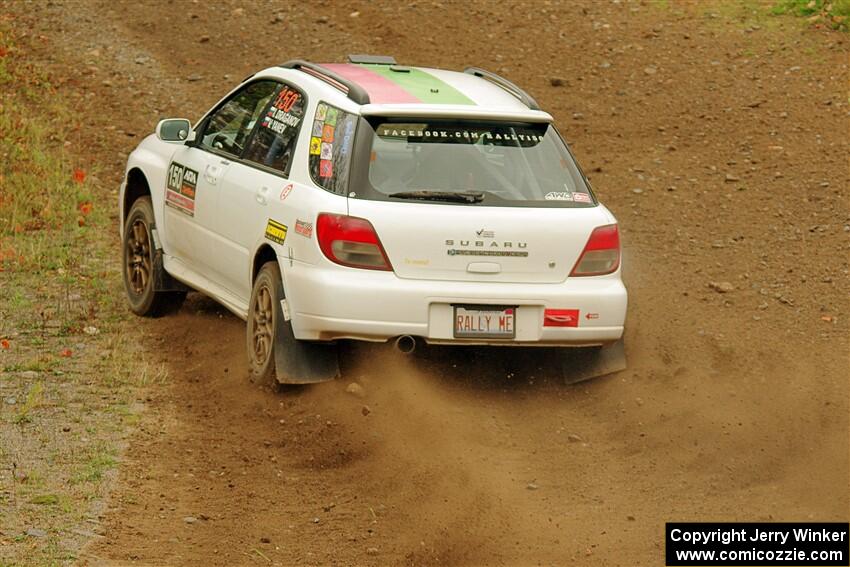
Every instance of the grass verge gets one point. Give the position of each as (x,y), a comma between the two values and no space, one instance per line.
(70,366)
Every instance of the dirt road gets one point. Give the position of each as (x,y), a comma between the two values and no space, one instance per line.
(716,133)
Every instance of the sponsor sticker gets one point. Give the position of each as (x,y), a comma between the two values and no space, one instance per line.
(326,168)
(275,231)
(303,228)
(284,193)
(581,198)
(317,128)
(331,116)
(327,150)
(328,133)
(315,146)
(181,188)
(559,196)
(321,112)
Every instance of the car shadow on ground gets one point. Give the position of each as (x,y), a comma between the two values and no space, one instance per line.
(480,367)
(508,369)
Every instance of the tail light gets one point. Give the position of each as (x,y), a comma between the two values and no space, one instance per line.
(351,241)
(601,254)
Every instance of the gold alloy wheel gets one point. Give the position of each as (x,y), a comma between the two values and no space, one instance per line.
(139,265)
(262,319)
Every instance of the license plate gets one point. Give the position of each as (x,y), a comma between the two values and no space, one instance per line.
(486,321)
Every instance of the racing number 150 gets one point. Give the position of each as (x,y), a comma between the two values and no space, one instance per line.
(175,176)
(286,99)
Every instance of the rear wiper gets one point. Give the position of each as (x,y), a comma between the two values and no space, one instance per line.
(451,196)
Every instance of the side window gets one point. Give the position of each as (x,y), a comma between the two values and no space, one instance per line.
(228,127)
(274,142)
(331,142)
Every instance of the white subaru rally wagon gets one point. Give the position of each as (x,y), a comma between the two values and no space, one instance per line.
(372,201)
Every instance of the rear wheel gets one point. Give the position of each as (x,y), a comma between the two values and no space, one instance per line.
(142,266)
(263,315)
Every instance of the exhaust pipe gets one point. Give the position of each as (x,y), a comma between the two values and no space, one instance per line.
(405,344)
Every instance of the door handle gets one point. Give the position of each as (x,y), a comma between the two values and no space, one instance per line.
(261,195)
(211,173)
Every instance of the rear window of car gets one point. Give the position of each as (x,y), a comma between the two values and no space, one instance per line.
(505,163)
(331,143)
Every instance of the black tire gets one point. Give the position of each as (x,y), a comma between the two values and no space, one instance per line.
(142,265)
(264,313)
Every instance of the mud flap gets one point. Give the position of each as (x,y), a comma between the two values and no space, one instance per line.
(302,362)
(162,279)
(578,365)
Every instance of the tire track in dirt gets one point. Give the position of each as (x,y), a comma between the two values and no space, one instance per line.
(721,415)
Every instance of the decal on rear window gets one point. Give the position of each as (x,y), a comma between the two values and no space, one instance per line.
(443,135)
(330,147)
(315,146)
(181,188)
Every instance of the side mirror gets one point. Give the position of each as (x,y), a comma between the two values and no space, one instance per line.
(174,130)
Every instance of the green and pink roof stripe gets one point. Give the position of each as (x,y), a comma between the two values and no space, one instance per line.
(412,85)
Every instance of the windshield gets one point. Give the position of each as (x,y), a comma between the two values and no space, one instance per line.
(472,162)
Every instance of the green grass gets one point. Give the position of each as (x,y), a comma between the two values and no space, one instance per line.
(99,460)
(33,400)
(45,500)
(762,14)
(47,202)
(832,13)
(59,274)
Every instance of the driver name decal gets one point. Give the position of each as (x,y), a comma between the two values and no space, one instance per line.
(181,186)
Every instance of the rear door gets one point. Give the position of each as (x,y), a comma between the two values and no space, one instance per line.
(255,189)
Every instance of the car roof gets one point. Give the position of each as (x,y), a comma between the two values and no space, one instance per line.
(387,89)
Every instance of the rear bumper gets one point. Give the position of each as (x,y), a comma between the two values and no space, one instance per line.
(335,303)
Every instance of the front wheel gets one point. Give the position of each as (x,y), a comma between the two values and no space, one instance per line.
(141,265)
